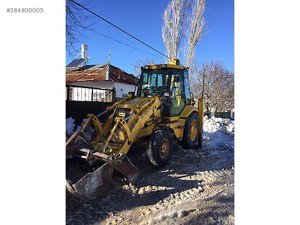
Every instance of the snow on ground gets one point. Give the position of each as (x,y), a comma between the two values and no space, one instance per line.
(196,186)
(70,126)
(217,132)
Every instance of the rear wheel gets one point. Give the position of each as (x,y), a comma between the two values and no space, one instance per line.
(191,132)
(160,146)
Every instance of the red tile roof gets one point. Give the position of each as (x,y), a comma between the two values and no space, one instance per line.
(98,73)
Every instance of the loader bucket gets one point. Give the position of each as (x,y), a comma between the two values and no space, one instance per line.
(90,170)
(92,184)
(88,183)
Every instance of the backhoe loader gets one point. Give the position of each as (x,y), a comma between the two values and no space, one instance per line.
(160,114)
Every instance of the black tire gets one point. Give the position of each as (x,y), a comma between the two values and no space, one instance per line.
(189,140)
(160,146)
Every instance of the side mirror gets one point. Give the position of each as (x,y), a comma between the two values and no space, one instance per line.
(192,99)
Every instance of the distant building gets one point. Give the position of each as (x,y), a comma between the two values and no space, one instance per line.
(97,82)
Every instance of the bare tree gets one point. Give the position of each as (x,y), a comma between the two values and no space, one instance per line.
(195,25)
(76,22)
(183,19)
(139,63)
(218,86)
(174,20)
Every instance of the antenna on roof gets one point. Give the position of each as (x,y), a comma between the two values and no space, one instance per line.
(108,68)
(109,54)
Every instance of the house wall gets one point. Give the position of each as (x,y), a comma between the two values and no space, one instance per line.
(75,93)
(95,84)
(123,89)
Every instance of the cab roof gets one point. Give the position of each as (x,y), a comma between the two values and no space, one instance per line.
(162,66)
(174,63)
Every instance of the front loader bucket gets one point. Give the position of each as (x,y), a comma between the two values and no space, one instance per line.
(92,169)
(129,171)
(92,184)
(88,183)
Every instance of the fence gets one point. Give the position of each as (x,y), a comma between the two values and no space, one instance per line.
(79,93)
(80,101)
(79,110)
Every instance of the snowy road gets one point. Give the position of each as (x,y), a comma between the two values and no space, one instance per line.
(195,187)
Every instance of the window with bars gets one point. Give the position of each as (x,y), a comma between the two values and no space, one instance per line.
(90,94)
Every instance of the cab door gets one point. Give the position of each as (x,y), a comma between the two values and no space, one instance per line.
(177,95)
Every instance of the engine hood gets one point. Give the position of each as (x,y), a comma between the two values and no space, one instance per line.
(133,103)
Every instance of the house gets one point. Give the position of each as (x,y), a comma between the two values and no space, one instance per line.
(92,88)
(98,82)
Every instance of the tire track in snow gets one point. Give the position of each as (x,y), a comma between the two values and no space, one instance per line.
(190,175)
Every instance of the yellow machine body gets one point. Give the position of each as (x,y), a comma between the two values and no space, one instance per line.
(163,105)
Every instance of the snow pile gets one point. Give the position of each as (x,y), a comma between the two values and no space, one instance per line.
(70,126)
(215,124)
(218,132)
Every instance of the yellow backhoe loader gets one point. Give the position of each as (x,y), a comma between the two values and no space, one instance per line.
(161,114)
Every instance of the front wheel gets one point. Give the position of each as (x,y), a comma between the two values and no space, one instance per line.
(160,146)
(191,131)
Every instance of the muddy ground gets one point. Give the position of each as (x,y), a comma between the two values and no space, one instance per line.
(194,187)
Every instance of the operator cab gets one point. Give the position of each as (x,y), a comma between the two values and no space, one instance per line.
(170,82)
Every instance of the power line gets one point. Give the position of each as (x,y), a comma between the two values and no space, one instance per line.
(118,28)
(120,42)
